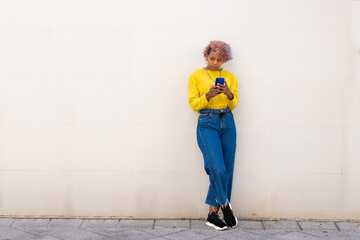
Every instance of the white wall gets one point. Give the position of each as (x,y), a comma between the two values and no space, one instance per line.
(95,121)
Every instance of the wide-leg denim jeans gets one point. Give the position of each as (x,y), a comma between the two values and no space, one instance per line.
(216,136)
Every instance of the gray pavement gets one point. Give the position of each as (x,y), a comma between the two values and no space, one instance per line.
(84,229)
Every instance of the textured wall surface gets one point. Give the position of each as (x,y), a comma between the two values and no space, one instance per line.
(95,120)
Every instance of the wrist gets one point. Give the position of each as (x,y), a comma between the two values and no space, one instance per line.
(207,97)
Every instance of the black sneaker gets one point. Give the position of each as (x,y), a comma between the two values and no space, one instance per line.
(229,216)
(213,220)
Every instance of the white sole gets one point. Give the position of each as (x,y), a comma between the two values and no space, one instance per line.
(235,218)
(236,222)
(216,227)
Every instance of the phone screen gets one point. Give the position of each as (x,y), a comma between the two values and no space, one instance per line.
(219,81)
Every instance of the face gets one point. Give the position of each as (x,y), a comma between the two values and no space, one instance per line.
(214,61)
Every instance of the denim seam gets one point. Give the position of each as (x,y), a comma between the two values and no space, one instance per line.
(230,115)
(204,146)
(205,154)
(201,119)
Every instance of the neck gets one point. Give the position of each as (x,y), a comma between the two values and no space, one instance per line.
(210,69)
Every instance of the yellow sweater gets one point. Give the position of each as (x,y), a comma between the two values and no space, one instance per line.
(200,83)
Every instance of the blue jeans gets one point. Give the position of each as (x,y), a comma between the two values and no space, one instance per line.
(216,136)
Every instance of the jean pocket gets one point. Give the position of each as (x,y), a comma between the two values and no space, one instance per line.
(204,116)
(230,114)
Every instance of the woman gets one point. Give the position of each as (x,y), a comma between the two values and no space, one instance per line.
(216,132)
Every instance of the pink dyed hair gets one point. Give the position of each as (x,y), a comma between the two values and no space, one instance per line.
(222,48)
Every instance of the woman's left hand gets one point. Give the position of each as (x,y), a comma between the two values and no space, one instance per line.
(224,88)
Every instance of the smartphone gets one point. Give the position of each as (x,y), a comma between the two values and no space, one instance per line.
(219,81)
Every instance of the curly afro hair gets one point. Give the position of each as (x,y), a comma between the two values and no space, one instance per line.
(222,48)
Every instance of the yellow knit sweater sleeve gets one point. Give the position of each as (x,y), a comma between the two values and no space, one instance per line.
(197,101)
(232,104)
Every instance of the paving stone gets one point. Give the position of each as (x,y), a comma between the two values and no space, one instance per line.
(250,225)
(346,235)
(46,238)
(185,224)
(31,222)
(318,225)
(37,229)
(36,238)
(296,235)
(72,233)
(9,233)
(239,234)
(270,233)
(34,226)
(132,234)
(6,221)
(273,232)
(102,227)
(106,231)
(198,224)
(100,223)
(160,232)
(65,222)
(323,233)
(136,224)
(32,230)
(196,234)
(349,225)
(281,225)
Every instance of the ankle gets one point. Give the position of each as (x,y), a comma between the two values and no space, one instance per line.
(211,212)
(213,209)
(226,204)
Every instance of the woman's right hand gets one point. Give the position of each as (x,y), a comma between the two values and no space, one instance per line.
(213,92)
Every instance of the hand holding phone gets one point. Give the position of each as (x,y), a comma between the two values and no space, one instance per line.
(215,90)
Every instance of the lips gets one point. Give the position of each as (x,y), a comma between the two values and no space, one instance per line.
(213,66)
